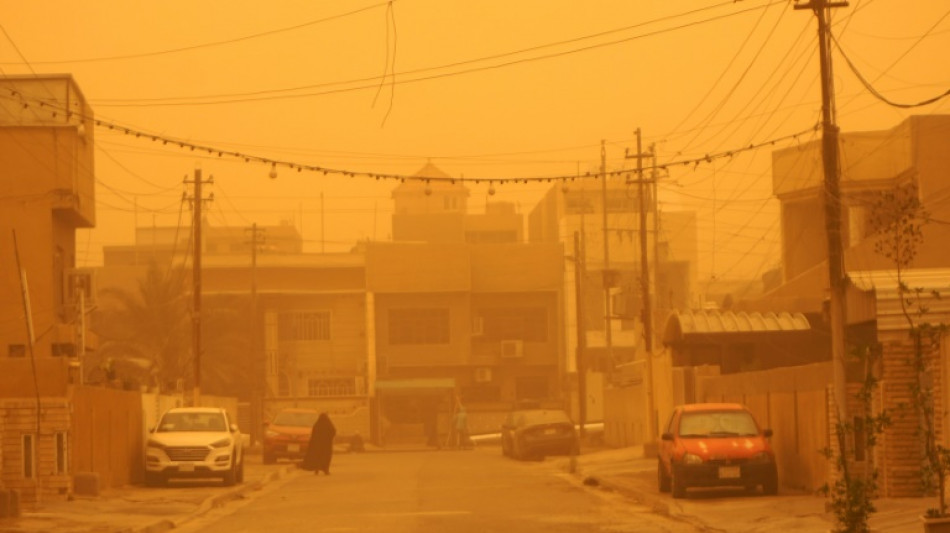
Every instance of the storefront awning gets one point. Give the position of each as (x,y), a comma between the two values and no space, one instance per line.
(416,385)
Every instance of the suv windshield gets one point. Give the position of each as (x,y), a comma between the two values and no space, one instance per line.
(291,418)
(192,422)
(717,424)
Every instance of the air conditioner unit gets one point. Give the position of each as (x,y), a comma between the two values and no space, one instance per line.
(478,326)
(512,349)
(82,282)
(483,374)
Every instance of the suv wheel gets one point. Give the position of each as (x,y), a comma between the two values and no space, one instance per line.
(269,458)
(154,479)
(663,480)
(770,486)
(677,486)
(230,477)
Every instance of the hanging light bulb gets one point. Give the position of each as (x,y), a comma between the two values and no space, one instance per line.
(491,189)
(273,171)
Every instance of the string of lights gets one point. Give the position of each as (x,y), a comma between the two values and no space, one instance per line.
(276,164)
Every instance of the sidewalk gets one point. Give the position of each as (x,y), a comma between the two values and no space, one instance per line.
(138,509)
(627,471)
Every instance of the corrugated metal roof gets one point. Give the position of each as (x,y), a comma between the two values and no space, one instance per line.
(890,313)
(683,323)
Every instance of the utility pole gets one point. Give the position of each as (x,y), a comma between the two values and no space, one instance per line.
(257,357)
(197,202)
(646,308)
(607,277)
(832,201)
(581,353)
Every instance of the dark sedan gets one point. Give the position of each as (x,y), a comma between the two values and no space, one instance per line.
(535,433)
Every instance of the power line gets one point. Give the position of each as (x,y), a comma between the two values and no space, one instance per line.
(374,80)
(876,93)
(213,43)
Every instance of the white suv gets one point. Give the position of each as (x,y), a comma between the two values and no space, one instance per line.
(194,442)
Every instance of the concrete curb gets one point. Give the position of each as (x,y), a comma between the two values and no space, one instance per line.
(213,502)
(658,503)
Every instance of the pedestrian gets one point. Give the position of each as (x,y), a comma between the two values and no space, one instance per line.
(320,449)
(461,427)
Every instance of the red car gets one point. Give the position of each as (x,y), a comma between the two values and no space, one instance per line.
(288,434)
(715,445)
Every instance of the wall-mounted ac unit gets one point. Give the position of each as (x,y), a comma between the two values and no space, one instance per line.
(512,349)
(478,326)
(483,374)
(81,281)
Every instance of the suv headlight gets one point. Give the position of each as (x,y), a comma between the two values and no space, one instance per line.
(761,457)
(223,443)
(152,443)
(692,459)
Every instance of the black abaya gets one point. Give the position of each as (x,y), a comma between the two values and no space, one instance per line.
(320,449)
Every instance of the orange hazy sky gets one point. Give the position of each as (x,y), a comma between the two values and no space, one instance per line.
(493,89)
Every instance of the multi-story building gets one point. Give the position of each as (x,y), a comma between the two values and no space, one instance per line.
(48,183)
(465,311)
(611,279)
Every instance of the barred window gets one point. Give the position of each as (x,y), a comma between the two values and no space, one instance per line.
(418,326)
(515,323)
(304,326)
(331,387)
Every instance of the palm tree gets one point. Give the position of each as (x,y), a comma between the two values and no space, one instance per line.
(149,328)
(146,338)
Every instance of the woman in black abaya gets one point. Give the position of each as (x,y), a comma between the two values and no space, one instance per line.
(320,449)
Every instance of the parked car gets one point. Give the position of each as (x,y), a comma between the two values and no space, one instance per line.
(715,445)
(194,442)
(529,433)
(288,434)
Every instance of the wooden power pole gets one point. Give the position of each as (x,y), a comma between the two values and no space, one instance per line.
(832,203)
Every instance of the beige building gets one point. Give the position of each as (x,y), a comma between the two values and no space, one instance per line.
(577,207)
(48,184)
(387,338)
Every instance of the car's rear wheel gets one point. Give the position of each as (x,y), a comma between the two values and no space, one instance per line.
(154,479)
(770,486)
(240,472)
(662,479)
(269,458)
(677,485)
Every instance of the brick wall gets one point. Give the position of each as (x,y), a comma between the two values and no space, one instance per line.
(19,419)
(901,451)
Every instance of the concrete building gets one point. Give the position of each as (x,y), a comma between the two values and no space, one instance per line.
(578,207)
(48,183)
(909,161)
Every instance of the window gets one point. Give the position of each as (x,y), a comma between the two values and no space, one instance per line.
(531,388)
(17,350)
(481,393)
(283,385)
(331,387)
(515,323)
(304,326)
(62,461)
(29,456)
(418,326)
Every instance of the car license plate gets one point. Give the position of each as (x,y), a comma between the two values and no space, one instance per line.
(729,472)
(293,448)
(550,431)
(186,467)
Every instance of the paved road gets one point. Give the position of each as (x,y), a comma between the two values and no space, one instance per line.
(458,491)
